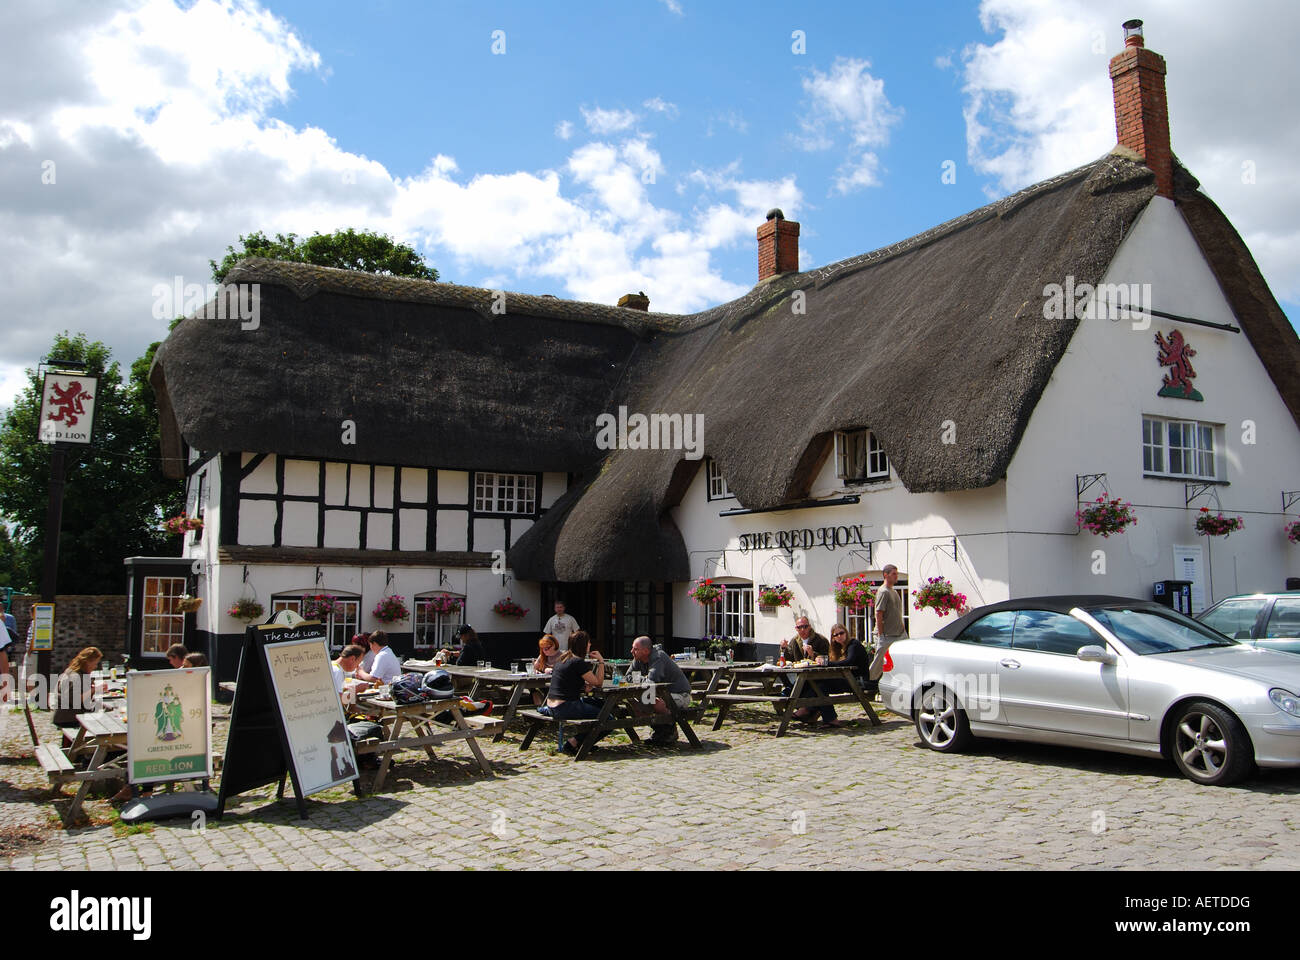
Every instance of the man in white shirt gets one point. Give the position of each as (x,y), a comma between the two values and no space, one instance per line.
(385,668)
(561,626)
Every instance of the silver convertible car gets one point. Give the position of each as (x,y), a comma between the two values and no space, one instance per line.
(1110,673)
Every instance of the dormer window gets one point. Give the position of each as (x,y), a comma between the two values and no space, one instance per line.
(717,482)
(859,457)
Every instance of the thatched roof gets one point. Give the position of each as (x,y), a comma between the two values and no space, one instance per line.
(945,326)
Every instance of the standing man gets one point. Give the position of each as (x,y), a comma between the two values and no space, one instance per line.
(561,626)
(889,624)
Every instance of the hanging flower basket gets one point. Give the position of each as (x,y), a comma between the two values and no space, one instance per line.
(391,609)
(854,593)
(706,592)
(508,608)
(446,606)
(319,606)
(188,604)
(1216,524)
(1293,531)
(246,609)
(182,524)
(939,596)
(1104,517)
(778,596)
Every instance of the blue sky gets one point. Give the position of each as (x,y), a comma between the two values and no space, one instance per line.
(612,147)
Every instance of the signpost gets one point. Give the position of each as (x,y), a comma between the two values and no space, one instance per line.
(286,722)
(67,419)
(43,627)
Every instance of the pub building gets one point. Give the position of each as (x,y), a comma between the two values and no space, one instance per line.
(944,404)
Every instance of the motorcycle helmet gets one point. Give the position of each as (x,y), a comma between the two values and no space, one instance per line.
(439,683)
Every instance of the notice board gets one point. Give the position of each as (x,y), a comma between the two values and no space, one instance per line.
(312,714)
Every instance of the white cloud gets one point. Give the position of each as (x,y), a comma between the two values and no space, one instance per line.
(161,165)
(848,100)
(564,129)
(659,105)
(602,122)
(727,118)
(1038,102)
(943,62)
(674,6)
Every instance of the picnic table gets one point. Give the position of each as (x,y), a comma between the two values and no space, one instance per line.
(516,683)
(428,732)
(617,713)
(97,734)
(806,691)
(706,675)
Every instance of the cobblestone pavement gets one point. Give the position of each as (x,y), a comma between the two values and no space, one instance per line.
(848,798)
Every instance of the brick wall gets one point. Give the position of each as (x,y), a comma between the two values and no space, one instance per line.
(79,621)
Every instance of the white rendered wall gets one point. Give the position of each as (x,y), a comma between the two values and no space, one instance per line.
(1089,421)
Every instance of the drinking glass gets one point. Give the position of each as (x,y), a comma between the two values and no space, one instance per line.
(482,664)
(768,660)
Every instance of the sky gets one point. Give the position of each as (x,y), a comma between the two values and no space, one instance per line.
(581,149)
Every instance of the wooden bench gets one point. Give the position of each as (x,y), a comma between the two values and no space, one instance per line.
(615,714)
(55,763)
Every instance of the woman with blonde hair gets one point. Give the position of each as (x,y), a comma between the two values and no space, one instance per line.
(75,693)
(549,656)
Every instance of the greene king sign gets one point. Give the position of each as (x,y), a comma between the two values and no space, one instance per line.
(67,408)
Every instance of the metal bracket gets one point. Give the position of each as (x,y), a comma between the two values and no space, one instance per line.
(721,564)
(443,578)
(388,577)
(245,573)
(865,555)
(952,547)
(319,577)
(1289,499)
(1082,481)
(1193,491)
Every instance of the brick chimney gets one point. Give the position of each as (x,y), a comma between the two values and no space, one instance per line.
(1141,113)
(635,301)
(778,246)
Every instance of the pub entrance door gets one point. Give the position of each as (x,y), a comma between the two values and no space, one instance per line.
(615,612)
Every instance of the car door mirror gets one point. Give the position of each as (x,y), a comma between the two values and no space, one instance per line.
(1095,654)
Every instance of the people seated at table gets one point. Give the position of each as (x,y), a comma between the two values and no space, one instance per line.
(195,660)
(75,693)
(362,640)
(346,666)
(658,667)
(176,655)
(549,655)
(471,651)
(844,652)
(385,668)
(570,681)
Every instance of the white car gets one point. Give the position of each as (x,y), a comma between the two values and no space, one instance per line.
(1110,673)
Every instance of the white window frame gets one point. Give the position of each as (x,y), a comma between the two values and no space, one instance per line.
(505,494)
(340,628)
(733,616)
(717,488)
(436,633)
(1198,443)
(168,623)
(860,446)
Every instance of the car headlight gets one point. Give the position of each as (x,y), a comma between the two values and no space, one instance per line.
(1285,700)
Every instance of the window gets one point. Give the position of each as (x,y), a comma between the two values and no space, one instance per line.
(733,616)
(993,630)
(341,626)
(861,624)
(1284,621)
(860,456)
(435,629)
(1235,618)
(510,493)
(1049,632)
(1180,448)
(163,622)
(717,482)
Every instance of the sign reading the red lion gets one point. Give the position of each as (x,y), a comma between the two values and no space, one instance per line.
(1176,354)
(68,408)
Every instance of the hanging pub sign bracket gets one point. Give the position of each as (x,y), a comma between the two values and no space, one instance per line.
(1082,481)
(1289,499)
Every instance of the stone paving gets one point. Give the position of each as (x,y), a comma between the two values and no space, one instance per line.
(848,798)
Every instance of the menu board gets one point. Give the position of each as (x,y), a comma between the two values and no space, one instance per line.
(169,724)
(1188,565)
(43,626)
(311,713)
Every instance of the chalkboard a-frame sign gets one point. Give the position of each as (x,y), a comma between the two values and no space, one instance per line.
(257,749)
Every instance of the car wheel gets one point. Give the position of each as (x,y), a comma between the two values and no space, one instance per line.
(941,723)
(1210,745)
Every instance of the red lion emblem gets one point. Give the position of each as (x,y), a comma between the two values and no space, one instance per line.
(1176,354)
(68,402)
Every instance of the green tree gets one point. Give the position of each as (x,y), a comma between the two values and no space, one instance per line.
(115,495)
(348,249)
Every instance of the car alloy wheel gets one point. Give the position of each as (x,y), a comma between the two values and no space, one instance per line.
(940,722)
(1210,745)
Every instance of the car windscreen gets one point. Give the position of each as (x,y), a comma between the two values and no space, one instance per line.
(1146,631)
